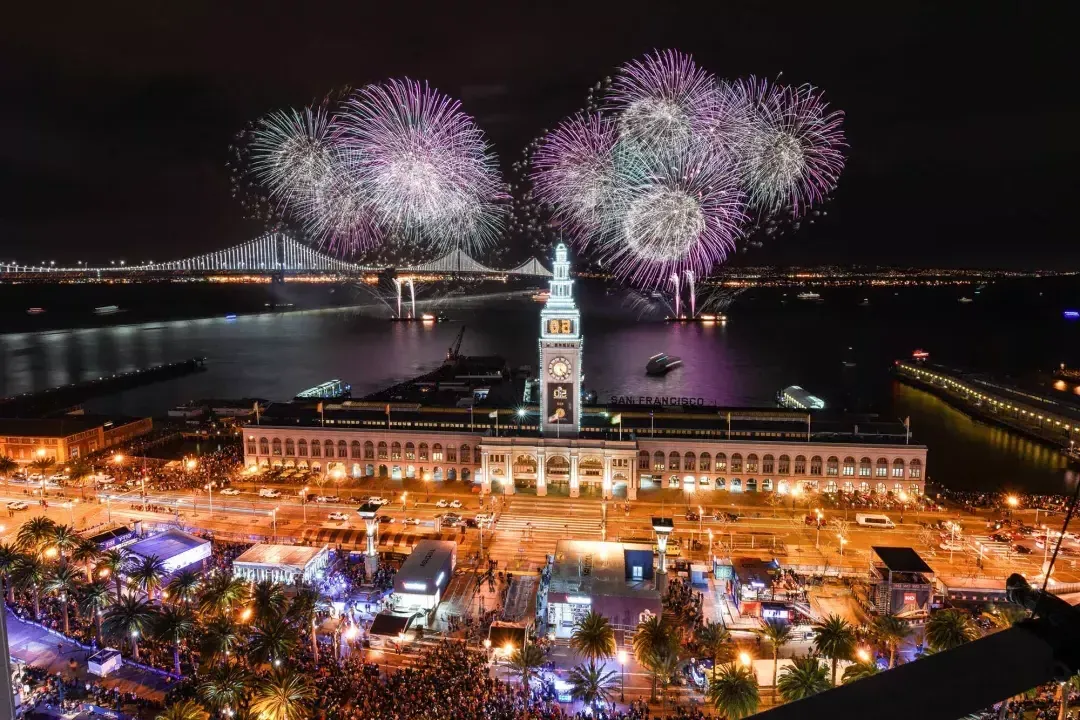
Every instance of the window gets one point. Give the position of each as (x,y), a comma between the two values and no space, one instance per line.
(689,461)
(751,463)
(328,448)
(849,467)
(437,452)
(882,468)
(422,451)
(451,454)
(383,452)
(264,446)
(915,469)
(832,466)
(784,467)
(466,454)
(898,468)
(767,464)
(643,460)
(736,464)
(290,447)
(637,572)
(476,454)
(301,448)
(658,461)
(410,451)
(252,448)
(864,467)
(800,465)
(721,462)
(369,451)
(395,451)
(815,465)
(355,450)
(316,449)
(704,462)
(673,461)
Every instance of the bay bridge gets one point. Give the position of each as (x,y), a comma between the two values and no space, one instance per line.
(273,254)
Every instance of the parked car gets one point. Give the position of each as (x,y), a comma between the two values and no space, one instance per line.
(17,505)
(442,503)
(376,500)
(950,546)
(229,491)
(337,516)
(455,503)
(327,498)
(269,493)
(1001,537)
(1021,549)
(385,519)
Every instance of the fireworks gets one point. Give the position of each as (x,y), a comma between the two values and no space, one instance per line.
(292,150)
(676,166)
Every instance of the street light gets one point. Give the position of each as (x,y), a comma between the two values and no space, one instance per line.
(273,517)
(817,537)
(843,542)
(863,655)
(903,504)
(622,680)
(745,659)
(303,501)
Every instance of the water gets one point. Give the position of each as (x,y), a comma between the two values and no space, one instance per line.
(772,340)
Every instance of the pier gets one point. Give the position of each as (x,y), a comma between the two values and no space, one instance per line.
(1036,414)
(63,397)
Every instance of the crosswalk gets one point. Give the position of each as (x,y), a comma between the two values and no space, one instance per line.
(983,544)
(538,525)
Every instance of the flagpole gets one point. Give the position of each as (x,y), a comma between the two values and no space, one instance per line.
(652,425)
(470,418)
(807,427)
(620,428)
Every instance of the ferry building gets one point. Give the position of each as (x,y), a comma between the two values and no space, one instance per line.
(474,421)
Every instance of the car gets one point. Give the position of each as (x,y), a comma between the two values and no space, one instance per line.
(410,521)
(951,546)
(455,503)
(337,516)
(1040,543)
(17,505)
(442,504)
(385,519)
(229,491)
(484,517)
(1001,537)
(449,519)
(692,516)
(1021,549)
(268,493)
(726,516)
(327,498)
(376,500)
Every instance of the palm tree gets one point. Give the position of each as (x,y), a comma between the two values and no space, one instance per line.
(778,634)
(64,581)
(225,687)
(221,636)
(302,610)
(184,710)
(78,471)
(94,598)
(184,587)
(147,575)
(835,639)
(64,538)
(592,684)
(7,466)
(593,637)
(115,562)
(222,593)
(807,676)
(86,553)
(42,465)
(30,576)
(715,640)
(284,695)
(129,618)
(524,661)
(1003,617)
(734,691)
(8,561)
(273,641)
(859,670)
(891,632)
(34,533)
(267,600)
(948,629)
(172,623)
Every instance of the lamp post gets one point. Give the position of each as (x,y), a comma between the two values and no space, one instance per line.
(795,492)
(144,493)
(622,679)
(508,650)
(210,491)
(700,519)
(843,542)
(303,501)
(70,505)
(817,538)
(903,504)
(1012,501)
(427,485)
(273,518)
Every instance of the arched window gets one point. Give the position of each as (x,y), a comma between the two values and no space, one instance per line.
(830,487)
(369,450)
(897,488)
(643,460)
(914,489)
(264,446)
(316,448)
(451,474)
(784,466)
(721,462)
(328,448)
(290,446)
(767,464)
(864,487)
(736,465)
(395,450)
(466,456)
(451,456)
(849,487)
(437,452)
(815,465)
(721,484)
(476,455)
(557,465)
(832,466)
(422,451)
(342,449)
(689,461)
(766,485)
(410,451)
(369,470)
(383,471)
(705,462)
(882,468)
(898,468)
(384,454)
(751,485)
(437,474)
(915,468)
(849,467)
(275,444)
(301,448)
(658,461)
(355,450)
(864,467)
(673,461)
(880,488)
(466,475)
(752,463)
(800,464)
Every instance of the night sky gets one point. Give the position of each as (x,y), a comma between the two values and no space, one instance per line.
(117,116)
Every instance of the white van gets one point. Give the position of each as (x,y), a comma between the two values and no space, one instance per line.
(268,493)
(875,521)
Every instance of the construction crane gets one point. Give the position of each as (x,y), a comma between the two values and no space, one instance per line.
(452,353)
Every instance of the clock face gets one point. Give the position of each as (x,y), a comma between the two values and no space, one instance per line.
(559,368)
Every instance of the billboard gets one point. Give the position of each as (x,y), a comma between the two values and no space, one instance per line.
(560,403)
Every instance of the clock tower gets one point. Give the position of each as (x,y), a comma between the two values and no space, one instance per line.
(560,354)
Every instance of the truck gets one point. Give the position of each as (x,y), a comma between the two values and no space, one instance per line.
(874,521)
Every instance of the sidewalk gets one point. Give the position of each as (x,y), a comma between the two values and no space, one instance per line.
(38,647)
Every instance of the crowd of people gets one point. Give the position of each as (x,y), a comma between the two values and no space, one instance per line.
(43,691)
(684,602)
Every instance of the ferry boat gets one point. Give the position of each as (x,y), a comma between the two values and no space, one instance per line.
(662,364)
(107,310)
(425,318)
(808,295)
(965,300)
(35,310)
(541,297)
(795,397)
(705,318)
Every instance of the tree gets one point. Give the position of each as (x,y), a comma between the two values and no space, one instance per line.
(835,639)
(115,562)
(184,587)
(807,676)
(172,623)
(220,638)
(128,619)
(859,670)
(147,574)
(267,600)
(77,472)
(34,534)
(302,610)
(64,581)
(593,637)
(30,575)
(778,634)
(86,554)
(592,684)
(948,629)
(734,691)
(94,598)
(284,695)
(891,632)
(7,466)
(221,593)
(1004,616)
(64,539)
(524,661)
(272,641)
(184,710)
(715,640)
(8,561)
(653,640)
(42,465)
(225,687)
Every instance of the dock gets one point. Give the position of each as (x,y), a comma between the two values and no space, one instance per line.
(63,397)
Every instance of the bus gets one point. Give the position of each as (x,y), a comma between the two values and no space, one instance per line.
(875,521)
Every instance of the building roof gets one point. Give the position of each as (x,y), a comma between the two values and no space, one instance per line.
(109,534)
(425,562)
(592,567)
(166,545)
(754,571)
(901,559)
(390,625)
(49,427)
(295,557)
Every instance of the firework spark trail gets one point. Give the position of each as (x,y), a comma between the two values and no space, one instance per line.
(291,151)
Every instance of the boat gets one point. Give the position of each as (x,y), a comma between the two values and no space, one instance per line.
(230,316)
(920,354)
(107,310)
(795,397)
(808,295)
(35,310)
(965,300)
(424,318)
(662,364)
(542,296)
(865,302)
(706,318)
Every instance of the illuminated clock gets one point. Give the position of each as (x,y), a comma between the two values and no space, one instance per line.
(559,368)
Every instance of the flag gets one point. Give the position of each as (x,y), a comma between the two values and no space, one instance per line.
(387,408)
(493,414)
(319,407)
(616,419)
(907,422)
